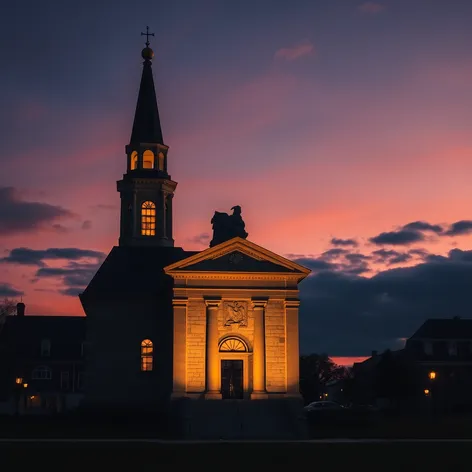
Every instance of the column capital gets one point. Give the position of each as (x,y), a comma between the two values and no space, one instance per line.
(291,303)
(180,301)
(212,302)
(259,302)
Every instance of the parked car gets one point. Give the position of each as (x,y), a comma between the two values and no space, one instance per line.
(323,406)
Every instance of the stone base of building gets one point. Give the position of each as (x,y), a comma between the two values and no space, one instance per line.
(212,396)
(265,419)
(259,396)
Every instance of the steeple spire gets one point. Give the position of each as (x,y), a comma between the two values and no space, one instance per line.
(147,125)
(146,189)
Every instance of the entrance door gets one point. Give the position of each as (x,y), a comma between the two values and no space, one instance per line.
(232,379)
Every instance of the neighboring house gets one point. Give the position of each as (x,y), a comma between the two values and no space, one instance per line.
(41,363)
(439,355)
(442,351)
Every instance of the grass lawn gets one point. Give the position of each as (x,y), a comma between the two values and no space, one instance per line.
(234,456)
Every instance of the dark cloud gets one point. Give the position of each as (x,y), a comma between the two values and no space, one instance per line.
(389,257)
(27,256)
(87,224)
(333,253)
(75,276)
(6,290)
(400,237)
(350,315)
(344,242)
(459,228)
(336,259)
(202,238)
(315,264)
(423,226)
(18,216)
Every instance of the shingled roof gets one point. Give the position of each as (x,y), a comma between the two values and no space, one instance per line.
(129,269)
(451,328)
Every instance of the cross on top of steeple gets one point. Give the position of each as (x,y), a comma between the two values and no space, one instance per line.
(147,34)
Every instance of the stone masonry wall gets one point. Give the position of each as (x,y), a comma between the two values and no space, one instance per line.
(196,336)
(275,346)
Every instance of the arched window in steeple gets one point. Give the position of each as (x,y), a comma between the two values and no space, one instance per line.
(148,219)
(134,160)
(148,160)
(160,158)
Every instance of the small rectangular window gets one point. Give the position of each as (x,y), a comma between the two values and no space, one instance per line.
(80,381)
(45,348)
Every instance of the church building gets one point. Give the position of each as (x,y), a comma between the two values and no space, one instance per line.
(207,334)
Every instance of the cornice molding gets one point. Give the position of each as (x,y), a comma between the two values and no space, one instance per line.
(245,247)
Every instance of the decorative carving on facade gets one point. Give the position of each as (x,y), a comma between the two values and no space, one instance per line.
(235,258)
(235,313)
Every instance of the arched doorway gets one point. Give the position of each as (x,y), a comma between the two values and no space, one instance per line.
(232,368)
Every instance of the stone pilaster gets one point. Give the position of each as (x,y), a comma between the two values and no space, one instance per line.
(292,346)
(213,390)
(259,354)
(180,347)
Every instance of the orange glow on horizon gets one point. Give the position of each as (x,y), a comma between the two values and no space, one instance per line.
(348,361)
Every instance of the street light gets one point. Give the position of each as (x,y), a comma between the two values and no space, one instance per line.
(432,375)
(426,391)
(19,380)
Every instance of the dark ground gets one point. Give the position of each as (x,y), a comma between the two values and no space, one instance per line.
(236,456)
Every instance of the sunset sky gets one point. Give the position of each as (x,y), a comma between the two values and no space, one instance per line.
(343,128)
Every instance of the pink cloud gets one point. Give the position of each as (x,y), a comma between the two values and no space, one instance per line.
(305,48)
(371,7)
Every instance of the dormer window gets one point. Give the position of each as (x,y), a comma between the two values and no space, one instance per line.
(148,160)
(45,348)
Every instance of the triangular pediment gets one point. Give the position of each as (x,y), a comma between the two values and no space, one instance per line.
(237,255)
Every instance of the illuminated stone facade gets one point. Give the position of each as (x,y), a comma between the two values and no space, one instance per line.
(235,302)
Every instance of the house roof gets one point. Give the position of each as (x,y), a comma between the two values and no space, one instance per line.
(134,270)
(451,328)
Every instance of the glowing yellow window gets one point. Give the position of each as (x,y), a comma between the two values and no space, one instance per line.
(134,160)
(146,355)
(161,160)
(148,160)
(148,219)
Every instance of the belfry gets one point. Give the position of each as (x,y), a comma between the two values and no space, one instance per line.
(209,336)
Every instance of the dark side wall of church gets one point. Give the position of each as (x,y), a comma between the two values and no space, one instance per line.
(116,326)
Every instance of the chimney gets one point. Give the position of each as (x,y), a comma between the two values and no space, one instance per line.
(20,309)
(374,353)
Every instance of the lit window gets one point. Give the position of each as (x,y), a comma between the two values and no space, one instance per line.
(148,219)
(148,160)
(232,345)
(161,160)
(146,355)
(134,160)
(41,373)
(45,348)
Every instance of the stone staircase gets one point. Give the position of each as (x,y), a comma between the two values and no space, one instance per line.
(277,419)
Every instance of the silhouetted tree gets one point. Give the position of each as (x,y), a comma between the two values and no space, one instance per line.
(7,308)
(315,371)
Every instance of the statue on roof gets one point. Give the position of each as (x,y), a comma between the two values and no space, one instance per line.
(226,226)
